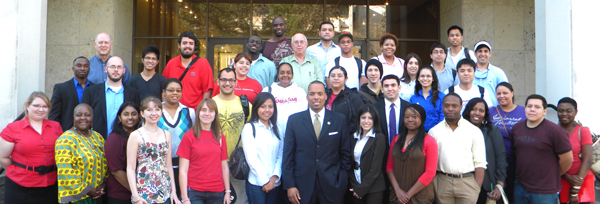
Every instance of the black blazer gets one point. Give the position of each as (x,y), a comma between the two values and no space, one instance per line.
(372,178)
(380,106)
(95,96)
(305,157)
(64,99)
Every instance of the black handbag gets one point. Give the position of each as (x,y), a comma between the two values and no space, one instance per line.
(238,167)
(232,194)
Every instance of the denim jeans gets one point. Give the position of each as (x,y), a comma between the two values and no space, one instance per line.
(197,197)
(257,196)
(523,196)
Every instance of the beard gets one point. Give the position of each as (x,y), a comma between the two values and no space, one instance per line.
(115,79)
(186,55)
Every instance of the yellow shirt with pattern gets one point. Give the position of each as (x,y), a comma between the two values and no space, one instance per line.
(231,117)
(81,165)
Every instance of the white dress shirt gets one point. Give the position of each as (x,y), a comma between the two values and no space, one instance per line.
(264,153)
(460,151)
(358,149)
(387,114)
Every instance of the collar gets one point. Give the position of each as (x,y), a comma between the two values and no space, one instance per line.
(321,113)
(458,124)
(26,123)
(258,123)
(261,57)
(106,88)
(100,60)
(369,134)
(421,92)
(385,61)
(388,103)
(77,84)
(307,59)
(321,44)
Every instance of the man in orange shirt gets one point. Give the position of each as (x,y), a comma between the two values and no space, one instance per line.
(195,73)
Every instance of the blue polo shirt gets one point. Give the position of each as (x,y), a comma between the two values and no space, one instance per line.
(489,79)
(79,88)
(263,70)
(98,75)
(434,115)
(114,99)
(318,52)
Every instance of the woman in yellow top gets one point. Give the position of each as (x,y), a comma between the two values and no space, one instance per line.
(80,160)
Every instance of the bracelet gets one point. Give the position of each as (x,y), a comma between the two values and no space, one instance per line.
(227,191)
(576,187)
(183,201)
(574,195)
(138,200)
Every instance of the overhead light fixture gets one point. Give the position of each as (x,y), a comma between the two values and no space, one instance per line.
(191,12)
(180,1)
(185,6)
(195,16)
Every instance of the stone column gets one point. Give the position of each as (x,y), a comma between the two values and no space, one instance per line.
(23,57)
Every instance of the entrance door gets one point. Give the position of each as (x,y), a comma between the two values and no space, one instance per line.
(220,52)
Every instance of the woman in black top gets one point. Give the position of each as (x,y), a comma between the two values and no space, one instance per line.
(477,112)
(342,99)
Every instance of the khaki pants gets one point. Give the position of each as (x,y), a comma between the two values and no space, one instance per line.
(450,190)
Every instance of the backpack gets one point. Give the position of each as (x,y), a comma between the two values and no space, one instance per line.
(245,106)
(481,90)
(358,63)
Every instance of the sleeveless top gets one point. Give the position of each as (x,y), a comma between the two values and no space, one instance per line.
(408,167)
(152,175)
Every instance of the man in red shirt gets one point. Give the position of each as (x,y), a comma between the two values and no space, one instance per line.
(198,80)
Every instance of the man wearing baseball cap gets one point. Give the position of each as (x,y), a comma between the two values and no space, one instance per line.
(487,75)
(354,66)
(325,50)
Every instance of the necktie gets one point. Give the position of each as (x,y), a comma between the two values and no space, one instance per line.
(317,125)
(392,125)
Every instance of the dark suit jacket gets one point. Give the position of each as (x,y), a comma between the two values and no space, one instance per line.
(381,109)
(305,158)
(95,96)
(371,159)
(64,99)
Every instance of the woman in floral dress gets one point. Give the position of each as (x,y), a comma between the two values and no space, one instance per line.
(150,148)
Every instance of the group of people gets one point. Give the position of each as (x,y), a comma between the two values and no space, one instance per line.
(316,124)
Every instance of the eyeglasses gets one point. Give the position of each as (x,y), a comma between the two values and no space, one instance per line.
(173,90)
(224,80)
(38,106)
(150,58)
(113,67)
(435,52)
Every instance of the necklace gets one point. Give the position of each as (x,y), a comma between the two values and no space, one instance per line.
(92,144)
(81,133)
(151,130)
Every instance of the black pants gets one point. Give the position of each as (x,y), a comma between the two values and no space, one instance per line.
(175,162)
(118,201)
(369,198)
(16,194)
(318,196)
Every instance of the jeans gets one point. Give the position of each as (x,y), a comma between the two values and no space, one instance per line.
(197,197)
(257,196)
(523,196)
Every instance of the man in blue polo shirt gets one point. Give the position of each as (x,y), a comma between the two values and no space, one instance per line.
(103,45)
(487,75)
(325,50)
(261,69)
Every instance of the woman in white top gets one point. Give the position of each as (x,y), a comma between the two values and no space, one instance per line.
(408,80)
(289,98)
(367,182)
(263,148)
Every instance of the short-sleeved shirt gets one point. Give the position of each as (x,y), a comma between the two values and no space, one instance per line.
(536,149)
(32,149)
(231,116)
(505,121)
(152,87)
(451,61)
(351,68)
(489,79)
(198,80)
(263,70)
(205,154)
(276,51)
(446,79)
(396,68)
(116,158)
(249,87)
(97,74)
(467,95)
(305,73)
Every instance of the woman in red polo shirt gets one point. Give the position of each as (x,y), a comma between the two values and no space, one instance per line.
(27,154)
(244,84)
(203,169)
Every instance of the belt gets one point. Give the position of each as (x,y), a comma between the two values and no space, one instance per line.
(465,175)
(39,169)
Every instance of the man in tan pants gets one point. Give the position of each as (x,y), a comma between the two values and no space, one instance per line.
(461,149)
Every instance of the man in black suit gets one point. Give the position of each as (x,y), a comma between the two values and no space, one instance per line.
(391,113)
(113,91)
(68,94)
(317,155)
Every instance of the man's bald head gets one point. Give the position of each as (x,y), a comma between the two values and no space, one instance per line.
(103,44)
(299,44)
(114,60)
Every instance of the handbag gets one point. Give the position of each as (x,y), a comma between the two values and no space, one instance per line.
(238,166)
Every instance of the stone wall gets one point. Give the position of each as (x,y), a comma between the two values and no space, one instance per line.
(509,25)
(72,27)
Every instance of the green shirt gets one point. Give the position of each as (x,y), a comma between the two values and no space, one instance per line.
(305,73)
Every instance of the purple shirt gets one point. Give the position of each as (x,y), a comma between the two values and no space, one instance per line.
(510,119)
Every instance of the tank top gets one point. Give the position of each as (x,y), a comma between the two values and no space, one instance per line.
(153,180)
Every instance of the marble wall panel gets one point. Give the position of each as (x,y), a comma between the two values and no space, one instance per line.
(508,27)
